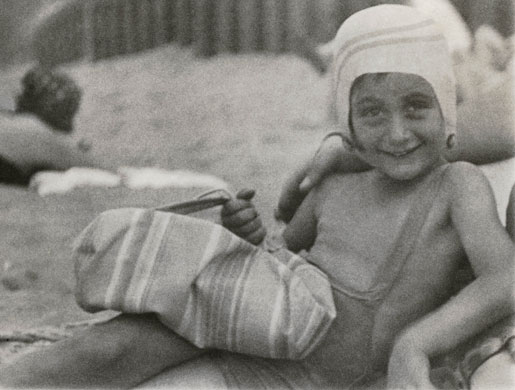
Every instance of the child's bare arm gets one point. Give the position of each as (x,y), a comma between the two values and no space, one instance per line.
(301,231)
(491,254)
(118,354)
(490,297)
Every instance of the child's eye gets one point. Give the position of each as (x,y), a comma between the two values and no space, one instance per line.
(416,110)
(370,112)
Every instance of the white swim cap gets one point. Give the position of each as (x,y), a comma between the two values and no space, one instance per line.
(393,38)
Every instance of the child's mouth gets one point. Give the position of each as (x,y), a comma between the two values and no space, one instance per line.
(401,153)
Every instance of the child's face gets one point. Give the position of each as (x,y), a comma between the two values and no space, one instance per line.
(397,124)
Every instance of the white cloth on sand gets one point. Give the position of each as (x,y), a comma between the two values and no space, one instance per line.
(61,182)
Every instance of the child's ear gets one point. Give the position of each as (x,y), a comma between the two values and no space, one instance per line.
(346,141)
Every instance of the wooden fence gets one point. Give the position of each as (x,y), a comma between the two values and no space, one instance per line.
(95,29)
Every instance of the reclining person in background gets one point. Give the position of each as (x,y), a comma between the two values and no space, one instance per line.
(36,135)
(388,241)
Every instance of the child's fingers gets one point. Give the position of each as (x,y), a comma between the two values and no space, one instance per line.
(257,236)
(234,206)
(245,194)
(241,202)
(240,218)
(249,227)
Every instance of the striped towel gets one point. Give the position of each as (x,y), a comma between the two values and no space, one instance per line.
(205,283)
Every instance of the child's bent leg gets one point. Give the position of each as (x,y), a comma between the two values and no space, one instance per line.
(120,353)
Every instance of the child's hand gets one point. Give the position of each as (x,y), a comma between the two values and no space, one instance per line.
(408,367)
(240,217)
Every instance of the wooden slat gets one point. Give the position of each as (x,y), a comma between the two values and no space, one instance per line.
(203,26)
(114,28)
(99,31)
(87,31)
(74,29)
(225,25)
(151,24)
(183,21)
(159,22)
(124,40)
(248,27)
(169,20)
(297,25)
(142,23)
(110,27)
(129,34)
(273,25)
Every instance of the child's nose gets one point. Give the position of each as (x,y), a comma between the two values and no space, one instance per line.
(398,131)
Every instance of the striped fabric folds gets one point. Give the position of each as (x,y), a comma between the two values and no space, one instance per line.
(208,285)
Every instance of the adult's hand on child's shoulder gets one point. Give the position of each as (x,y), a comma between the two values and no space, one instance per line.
(326,160)
(241,217)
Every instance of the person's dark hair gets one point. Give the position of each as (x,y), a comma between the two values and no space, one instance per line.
(53,97)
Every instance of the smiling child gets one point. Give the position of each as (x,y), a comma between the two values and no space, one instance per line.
(389,241)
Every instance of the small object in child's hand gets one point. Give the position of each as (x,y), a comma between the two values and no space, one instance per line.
(192,206)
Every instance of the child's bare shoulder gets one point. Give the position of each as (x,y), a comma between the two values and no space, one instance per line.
(464,180)
(462,173)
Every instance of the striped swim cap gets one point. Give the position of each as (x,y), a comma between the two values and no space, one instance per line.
(392,38)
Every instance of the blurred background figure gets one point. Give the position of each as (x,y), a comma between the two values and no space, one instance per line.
(53,97)
(35,136)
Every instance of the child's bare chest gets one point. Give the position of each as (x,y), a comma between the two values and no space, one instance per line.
(365,228)
(359,235)
(360,231)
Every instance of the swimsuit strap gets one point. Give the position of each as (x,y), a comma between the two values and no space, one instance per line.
(408,237)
